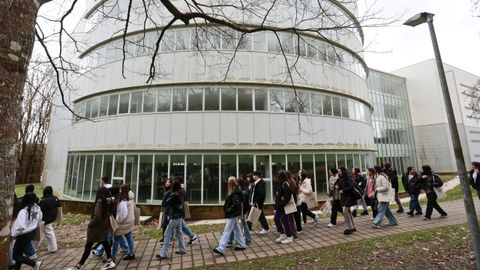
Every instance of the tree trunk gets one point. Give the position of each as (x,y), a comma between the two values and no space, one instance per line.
(17,36)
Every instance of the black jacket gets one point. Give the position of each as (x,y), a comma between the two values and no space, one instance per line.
(233,204)
(432,182)
(259,193)
(175,206)
(405,181)
(474,183)
(393,177)
(345,184)
(49,205)
(361,181)
(414,185)
(283,196)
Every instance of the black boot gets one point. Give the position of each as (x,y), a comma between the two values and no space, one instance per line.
(354,213)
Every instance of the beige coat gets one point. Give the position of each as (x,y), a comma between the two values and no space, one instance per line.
(383,187)
(305,190)
(125,217)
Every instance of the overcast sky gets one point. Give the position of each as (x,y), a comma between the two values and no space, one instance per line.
(396,46)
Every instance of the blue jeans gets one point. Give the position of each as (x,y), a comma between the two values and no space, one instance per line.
(29,250)
(231,225)
(174,226)
(384,210)
(187,230)
(122,241)
(248,237)
(117,239)
(414,204)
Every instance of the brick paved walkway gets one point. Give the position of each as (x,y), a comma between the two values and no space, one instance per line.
(313,237)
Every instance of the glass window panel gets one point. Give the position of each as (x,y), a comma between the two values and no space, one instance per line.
(245,99)
(332,161)
(199,39)
(74,176)
(244,42)
(312,50)
(119,164)
(179,99)
(331,54)
(259,43)
(261,100)
(145,179)
(87,184)
(272,41)
(136,102)
(81,176)
(245,165)
(229,99)
(327,105)
(344,104)
(168,41)
(263,165)
(336,106)
(341,160)
(214,38)
(228,168)
(210,179)
(163,101)
(195,99)
(103,106)
(316,103)
(358,115)
(286,40)
(107,166)
(351,109)
(88,108)
(307,165)
(95,107)
(349,162)
(278,164)
(149,101)
(194,178)
(229,39)
(131,173)
(177,166)
(97,174)
(322,51)
(294,163)
(113,105)
(276,100)
(123,106)
(300,45)
(161,175)
(182,39)
(68,174)
(321,179)
(291,104)
(212,99)
(303,102)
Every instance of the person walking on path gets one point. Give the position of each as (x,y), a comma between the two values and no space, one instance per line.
(258,199)
(233,211)
(370,198)
(432,181)
(293,181)
(335,197)
(241,183)
(393,177)
(49,205)
(305,190)
(98,228)
(345,186)
(283,221)
(175,215)
(383,189)
(360,180)
(23,230)
(185,228)
(166,194)
(125,219)
(474,177)
(413,186)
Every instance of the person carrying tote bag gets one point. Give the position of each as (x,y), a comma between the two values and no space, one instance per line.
(283,221)
(385,194)
(307,197)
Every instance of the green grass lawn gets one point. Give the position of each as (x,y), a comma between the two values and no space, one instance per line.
(20,189)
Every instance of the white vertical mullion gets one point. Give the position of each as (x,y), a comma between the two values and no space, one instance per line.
(84,175)
(301,162)
(201,180)
(137,180)
(326,169)
(91,177)
(124,168)
(219,179)
(236,164)
(185,172)
(314,174)
(153,178)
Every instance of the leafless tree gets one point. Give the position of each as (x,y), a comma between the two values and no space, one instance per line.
(473,96)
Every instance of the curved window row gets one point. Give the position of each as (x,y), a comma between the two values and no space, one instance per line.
(205,174)
(222,99)
(215,38)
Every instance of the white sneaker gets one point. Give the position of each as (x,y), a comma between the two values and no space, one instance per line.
(108,265)
(281,238)
(263,231)
(37,265)
(287,240)
(330,225)
(33,257)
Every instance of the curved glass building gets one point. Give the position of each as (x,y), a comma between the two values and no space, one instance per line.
(222,103)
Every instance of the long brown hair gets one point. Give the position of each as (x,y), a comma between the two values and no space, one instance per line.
(124,189)
(232,183)
(291,181)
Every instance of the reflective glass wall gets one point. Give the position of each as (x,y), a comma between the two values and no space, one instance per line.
(393,130)
(205,175)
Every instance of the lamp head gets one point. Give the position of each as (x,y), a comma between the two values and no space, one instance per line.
(419,19)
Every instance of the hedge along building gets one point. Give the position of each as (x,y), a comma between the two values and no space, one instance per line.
(198,121)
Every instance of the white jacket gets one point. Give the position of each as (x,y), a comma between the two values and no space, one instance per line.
(125,217)
(305,190)
(382,187)
(23,224)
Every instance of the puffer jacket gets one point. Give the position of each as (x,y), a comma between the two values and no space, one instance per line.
(125,217)
(49,205)
(345,184)
(305,190)
(233,204)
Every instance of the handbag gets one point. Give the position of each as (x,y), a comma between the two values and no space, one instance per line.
(290,207)
(440,192)
(113,223)
(59,215)
(326,207)
(254,214)
(311,200)
(186,209)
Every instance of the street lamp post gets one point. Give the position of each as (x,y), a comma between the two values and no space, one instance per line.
(457,148)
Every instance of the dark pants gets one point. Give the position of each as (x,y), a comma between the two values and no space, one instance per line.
(20,247)
(298,220)
(88,247)
(373,204)
(336,207)
(431,204)
(306,212)
(284,223)
(397,200)
(263,220)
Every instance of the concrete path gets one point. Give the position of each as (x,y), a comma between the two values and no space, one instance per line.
(313,237)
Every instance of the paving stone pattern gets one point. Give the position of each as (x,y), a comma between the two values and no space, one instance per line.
(313,237)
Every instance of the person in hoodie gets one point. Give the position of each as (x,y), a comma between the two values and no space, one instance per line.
(431,181)
(233,211)
(125,219)
(23,230)
(49,205)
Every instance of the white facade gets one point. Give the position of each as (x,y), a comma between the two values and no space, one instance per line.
(197,111)
(429,118)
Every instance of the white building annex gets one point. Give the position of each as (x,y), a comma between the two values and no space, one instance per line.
(198,121)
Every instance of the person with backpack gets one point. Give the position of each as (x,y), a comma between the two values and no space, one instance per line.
(24,229)
(393,177)
(241,184)
(334,195)
(360,184)
(49,205)
(383,191)
(283,221)
(233,210)
(413,186)
(432,181)
(305,190)
(348,198)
